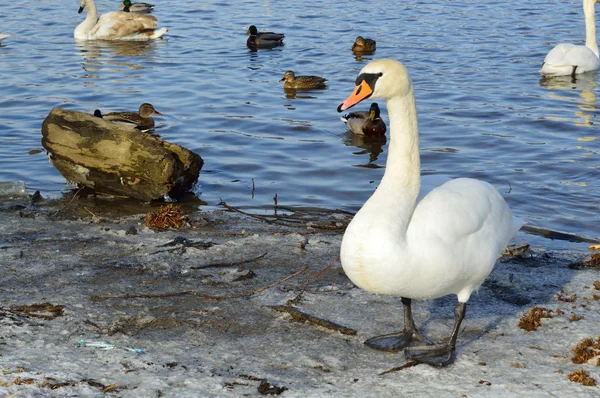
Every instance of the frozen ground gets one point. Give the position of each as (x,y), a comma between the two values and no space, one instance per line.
(195,346)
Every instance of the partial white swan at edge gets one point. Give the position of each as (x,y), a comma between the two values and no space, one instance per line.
(570,59)
(446,243)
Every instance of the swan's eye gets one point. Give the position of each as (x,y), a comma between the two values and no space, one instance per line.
(370,78)
(380,74)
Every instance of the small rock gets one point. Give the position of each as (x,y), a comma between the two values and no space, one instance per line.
(267,388)
(132,230)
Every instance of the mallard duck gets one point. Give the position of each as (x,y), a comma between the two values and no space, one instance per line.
(141,119)
(445,243)
(364,45)
(116,25)
(263,39)
(293,81)
(365,123)
(141,8)
(570,59)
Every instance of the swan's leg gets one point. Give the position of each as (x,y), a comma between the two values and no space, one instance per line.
(439,354)
(574,71)
(400,340)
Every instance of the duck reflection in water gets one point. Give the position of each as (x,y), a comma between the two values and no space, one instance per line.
(372,145)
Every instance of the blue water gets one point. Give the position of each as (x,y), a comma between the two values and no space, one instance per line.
(484,111)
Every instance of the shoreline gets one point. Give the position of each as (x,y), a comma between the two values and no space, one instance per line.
(193,344)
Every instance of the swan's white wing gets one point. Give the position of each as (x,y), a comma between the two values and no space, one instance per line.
(430,182)
(115,25)
(563,59)
(4,36)
(462,214)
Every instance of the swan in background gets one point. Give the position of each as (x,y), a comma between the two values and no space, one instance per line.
(4,36)
(116,25)
(446,243)
(569,59)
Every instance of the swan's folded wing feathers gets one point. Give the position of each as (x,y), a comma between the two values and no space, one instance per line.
(567,55)
(121,24)
(457,211)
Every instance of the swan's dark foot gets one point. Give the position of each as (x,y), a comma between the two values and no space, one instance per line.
(438,355)
(394,342)
(398,341)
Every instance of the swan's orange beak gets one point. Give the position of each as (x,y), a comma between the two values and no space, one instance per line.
(361,92)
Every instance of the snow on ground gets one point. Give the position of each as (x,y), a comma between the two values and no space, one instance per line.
(199,346)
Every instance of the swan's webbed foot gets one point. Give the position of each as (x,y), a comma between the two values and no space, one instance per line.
(438,355)
(394,342)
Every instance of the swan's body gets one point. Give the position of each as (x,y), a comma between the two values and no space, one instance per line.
(570,59)
(302,82)
(367,123)
(141,8)
(116,25)
(141,119)
(447,243)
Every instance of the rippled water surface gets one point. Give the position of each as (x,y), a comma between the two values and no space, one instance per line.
(483,110)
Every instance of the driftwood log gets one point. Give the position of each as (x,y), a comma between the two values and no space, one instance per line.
(113,158)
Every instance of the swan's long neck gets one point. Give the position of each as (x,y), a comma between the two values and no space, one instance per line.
(90,21)
(590,25)
(395,197)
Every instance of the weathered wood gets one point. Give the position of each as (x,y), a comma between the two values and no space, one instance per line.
(113,158)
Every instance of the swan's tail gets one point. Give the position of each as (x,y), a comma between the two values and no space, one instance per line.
(552,70)
(158,33)
(517,223)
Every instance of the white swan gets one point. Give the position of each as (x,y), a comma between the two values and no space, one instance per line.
(116,25)
(569,59)
(447,243)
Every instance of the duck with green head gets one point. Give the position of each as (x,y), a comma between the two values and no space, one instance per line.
(263,39)
(368,123)
(141,8)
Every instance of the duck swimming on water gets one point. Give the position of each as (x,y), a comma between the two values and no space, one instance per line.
(446,243)
(306,82)
(141,8)
(367,123)
(362,44)
(263,39)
